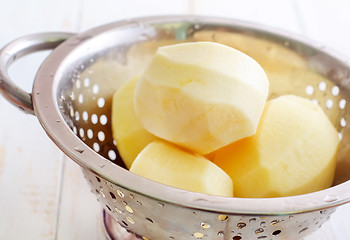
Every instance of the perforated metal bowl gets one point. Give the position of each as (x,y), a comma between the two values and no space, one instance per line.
(71,97)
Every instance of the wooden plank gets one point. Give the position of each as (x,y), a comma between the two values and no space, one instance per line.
(80,215)
(95,13)
(29,177)
(30,164)
(277,14)
(326,22)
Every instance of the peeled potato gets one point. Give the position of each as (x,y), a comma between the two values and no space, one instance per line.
(127,130)
(166,163)
(201,95)
(293,152)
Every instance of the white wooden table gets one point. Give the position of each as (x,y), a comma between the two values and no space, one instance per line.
(42,193)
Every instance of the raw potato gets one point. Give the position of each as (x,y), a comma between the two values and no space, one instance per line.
(166,163)
(293,152)
(127,130)
(201,96)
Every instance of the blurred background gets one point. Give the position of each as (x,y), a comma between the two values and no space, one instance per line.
(43,194)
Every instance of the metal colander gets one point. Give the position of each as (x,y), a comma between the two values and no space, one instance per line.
(71,97)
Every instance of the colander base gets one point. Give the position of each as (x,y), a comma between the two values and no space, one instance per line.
(113,231)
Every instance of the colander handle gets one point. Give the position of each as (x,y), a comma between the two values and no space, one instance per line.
(17,49)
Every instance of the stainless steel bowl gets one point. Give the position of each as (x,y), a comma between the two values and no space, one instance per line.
(71,97)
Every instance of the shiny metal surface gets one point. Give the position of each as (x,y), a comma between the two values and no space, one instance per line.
(17,49)
(85,71)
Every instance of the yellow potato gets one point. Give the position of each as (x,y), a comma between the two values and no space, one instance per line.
(168,164)
(127,130)
(201,96)
(293,152)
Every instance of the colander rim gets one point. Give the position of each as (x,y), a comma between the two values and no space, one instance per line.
(48,113)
